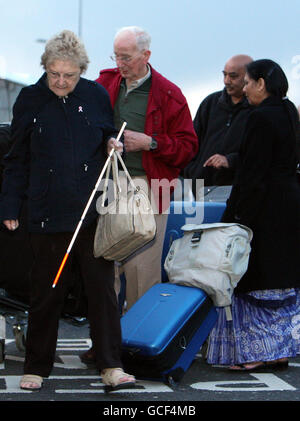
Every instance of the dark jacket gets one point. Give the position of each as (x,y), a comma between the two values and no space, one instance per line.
(219,125)
(5,144)
(59,150)
(298,151)
(266,197)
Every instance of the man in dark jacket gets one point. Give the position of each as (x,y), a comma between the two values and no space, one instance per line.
(219,124)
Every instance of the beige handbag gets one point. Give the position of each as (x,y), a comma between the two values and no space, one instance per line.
(212,257)
(127,223)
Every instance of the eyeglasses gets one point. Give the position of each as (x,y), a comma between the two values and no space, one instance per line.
(65,76)
(125,59)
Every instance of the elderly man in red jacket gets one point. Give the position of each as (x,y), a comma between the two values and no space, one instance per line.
(159,141)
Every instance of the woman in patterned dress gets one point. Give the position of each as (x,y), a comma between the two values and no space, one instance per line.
(265,197)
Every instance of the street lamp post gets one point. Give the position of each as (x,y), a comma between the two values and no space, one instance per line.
(80,18)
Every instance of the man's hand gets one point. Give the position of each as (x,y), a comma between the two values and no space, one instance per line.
(135,141)
(112,143)
(217,161)
(11,225)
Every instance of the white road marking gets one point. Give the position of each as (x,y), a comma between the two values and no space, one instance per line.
(270,381)
(70,362)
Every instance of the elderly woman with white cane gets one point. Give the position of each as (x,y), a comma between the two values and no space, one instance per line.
(63,132)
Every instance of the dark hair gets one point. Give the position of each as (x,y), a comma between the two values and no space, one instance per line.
(276,85)
(273,75)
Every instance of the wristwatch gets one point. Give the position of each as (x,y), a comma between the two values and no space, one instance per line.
(153,144)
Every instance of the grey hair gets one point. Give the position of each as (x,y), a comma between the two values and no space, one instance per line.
(143,39)
(65,46)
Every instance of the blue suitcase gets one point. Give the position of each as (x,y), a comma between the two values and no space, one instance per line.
(164,330)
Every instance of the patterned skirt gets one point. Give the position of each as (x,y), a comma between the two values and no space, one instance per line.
(265,326)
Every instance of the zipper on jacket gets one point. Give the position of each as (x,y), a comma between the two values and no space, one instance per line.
(40,128)
(65,107)
(229,120)
(43,223)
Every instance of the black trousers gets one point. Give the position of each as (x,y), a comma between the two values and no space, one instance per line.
(47,303)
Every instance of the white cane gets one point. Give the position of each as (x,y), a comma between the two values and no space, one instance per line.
(86,209)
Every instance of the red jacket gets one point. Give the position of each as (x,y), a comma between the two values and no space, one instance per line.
(168,120)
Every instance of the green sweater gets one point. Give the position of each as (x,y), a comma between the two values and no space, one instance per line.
(132,109)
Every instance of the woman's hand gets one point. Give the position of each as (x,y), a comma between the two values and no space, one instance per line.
(112,143)
(11,224)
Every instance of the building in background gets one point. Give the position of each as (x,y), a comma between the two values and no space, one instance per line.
(9,91)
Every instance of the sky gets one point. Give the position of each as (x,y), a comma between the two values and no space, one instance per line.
(191,39)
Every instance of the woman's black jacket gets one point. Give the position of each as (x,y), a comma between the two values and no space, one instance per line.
(59,148)
(266,196)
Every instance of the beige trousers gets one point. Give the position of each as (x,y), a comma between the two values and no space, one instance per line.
(143,269)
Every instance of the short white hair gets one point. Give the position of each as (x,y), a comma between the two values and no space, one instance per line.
(143,39)
(65,46)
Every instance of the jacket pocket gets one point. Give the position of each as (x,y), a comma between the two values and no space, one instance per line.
(39,196)
(94,128)
(39,185)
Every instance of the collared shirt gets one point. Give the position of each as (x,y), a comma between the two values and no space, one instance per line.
(136,83)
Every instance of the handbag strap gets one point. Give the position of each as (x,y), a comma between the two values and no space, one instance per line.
(118,155)
(116,180)
(113,165)
(108,169)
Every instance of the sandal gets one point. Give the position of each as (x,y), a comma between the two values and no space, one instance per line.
(35,381)
(260,365)
(237,367)
(248,366)
(280,364)
(116,379)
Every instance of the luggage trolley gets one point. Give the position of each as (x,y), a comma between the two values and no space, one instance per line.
(14,312)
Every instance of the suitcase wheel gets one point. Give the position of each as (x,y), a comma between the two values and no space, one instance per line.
(174,377)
